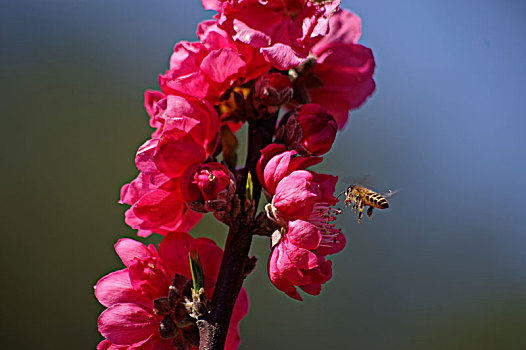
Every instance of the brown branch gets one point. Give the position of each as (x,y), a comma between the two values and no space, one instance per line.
(235,261)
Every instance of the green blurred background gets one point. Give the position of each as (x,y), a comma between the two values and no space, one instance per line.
(443,268)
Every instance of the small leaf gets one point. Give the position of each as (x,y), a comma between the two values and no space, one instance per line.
(249,189)
(198,277)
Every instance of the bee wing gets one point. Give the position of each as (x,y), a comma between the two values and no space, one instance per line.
(390,193)
(364,180)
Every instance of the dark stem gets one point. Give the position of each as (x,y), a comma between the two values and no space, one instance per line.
(259,136)
(236,262)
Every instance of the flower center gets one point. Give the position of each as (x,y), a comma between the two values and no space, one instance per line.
(323,216)
(177,324)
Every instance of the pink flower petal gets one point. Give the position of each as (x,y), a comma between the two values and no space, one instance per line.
(155,209)
(267,154)
(130,250)
(148,276)
(296,195)
(107,345)
(186,58)
(278,280)
(223,65)
(304,234)
(326,184)
(144,157)
(300,257)
(240,310)
(341,65)
(282,56)
(195,83)
(252,26)
(174,155)
(143,184)
(127,324)
(116,288)
(214,5)
(289,269)
(232,338)
(151,97)
(184,222)
(338,107)
(321,274)
(312,289)
(344,27)
(241,307)
(174,250)
(210,256)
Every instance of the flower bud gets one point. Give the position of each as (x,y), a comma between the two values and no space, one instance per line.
(276,162)
(274,89)
(208,187)
(310,130)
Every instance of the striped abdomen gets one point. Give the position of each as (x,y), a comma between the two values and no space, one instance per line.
(375,200)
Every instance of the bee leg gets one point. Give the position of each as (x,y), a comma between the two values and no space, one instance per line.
(370,212)
(361,213)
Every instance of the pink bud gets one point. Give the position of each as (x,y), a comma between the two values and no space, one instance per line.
(276,163)
(310,130)
(274,89)
(208,187)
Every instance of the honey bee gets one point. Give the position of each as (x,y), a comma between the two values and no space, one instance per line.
(361,197)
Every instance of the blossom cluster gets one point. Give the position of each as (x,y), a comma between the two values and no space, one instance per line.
(135,296)
(296,62)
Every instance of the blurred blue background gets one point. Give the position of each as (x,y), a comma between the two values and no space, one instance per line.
(443,268)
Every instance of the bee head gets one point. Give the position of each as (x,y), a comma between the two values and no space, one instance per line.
(347,191)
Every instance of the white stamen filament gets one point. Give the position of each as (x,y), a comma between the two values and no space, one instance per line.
(322,216)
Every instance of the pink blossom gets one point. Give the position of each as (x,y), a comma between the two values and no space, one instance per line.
(296,195)
(207,69)
(310,130)
(344,27)
(283,31)
(208,187)
(304,195)
(131,321)
(344,69)
(302,205)
(326,184)
(215,38)
(275,163)
(160,210)
(157,203)
(290,266)
(151,97)
(188,131)
(298,260)
(180,115)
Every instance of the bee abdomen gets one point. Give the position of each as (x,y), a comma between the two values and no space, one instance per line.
(377,201)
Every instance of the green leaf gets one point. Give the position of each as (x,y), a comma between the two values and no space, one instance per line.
(198,277)
(249,189)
